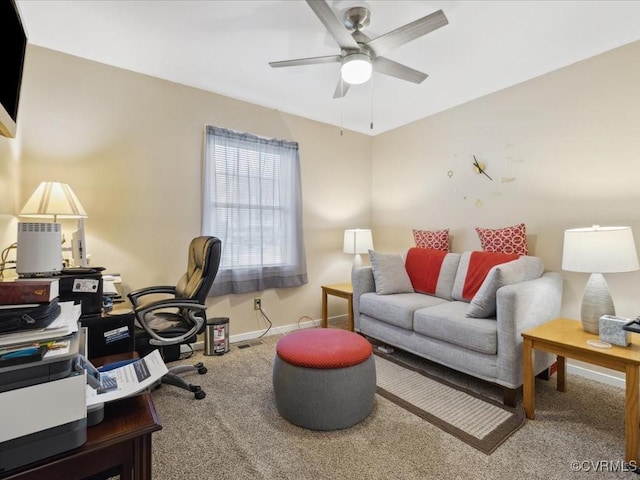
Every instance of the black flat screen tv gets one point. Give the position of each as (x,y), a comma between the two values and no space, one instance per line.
(13,44)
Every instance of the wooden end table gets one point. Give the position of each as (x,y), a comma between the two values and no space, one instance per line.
(566,338)
(342,290)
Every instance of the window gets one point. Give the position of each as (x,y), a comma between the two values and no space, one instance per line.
(253,204)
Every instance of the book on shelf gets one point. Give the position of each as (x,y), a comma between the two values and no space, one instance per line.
(27,291)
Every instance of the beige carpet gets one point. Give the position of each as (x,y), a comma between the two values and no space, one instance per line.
(236,433)
(481,422)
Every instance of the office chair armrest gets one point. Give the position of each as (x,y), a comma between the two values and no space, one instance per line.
(136,294)
(192,307)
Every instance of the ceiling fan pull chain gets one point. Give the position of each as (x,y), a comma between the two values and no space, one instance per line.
(371,124)
(341,107)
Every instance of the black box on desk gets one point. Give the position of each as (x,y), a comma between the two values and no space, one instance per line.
(109,333)
(84,287)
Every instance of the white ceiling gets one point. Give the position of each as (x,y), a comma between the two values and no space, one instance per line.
(225,46)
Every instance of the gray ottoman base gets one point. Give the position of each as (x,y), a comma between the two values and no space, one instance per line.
(324,399)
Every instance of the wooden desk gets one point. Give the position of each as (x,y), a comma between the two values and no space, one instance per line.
(120,444)
(566,338)
(342,290)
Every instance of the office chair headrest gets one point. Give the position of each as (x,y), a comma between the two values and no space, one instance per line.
(202,268)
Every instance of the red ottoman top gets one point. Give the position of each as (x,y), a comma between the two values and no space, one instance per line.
(323,348)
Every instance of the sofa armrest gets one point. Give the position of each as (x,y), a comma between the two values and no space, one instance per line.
(362,281)
(522,306)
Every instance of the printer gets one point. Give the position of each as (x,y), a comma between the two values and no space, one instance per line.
(43,408)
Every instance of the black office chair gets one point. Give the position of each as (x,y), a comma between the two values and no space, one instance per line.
(167,323)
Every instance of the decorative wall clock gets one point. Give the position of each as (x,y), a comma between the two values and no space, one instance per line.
(480,168)
(479,191)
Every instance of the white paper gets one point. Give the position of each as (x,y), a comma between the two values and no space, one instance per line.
(68,318)
(115,278)
(132,378)
(58,349)
(109,288)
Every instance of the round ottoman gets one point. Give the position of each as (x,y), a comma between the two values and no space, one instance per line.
(324,379)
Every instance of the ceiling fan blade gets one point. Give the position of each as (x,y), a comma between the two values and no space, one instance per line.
(306,61)
(395,69)
(408,32)
(335,27)
(341,89)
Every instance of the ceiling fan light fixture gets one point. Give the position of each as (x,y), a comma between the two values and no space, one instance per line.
(356,68)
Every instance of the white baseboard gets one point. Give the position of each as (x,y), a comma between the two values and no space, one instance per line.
(244,337)
(597,376)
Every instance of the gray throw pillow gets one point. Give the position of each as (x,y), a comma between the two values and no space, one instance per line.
(483,304)
(389,273)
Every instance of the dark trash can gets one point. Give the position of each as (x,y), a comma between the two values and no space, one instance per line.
(216,336)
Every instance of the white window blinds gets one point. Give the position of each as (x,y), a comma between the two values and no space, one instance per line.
(253,203)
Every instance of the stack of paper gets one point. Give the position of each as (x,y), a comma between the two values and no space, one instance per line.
(109,288)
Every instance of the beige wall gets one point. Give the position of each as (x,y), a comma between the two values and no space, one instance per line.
(131,147)
(570,140)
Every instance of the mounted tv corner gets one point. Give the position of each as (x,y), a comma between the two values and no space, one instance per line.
(13,44)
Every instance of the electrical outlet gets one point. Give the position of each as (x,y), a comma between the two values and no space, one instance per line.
(257,303)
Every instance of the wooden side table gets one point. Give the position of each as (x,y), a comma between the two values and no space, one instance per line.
(566,338)
(342,290)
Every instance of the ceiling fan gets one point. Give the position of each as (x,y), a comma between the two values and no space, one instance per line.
(361,55)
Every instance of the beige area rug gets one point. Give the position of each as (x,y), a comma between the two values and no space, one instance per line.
(478,421)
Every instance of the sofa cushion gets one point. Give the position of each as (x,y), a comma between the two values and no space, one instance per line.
(504,240)
(396,309)
(473,269)
(483,304)
(435,240)
(447,322)
(432,271)
(389,273)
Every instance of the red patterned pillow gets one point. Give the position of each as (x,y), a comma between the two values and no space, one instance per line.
(511,240)
(435,240)
(423,266)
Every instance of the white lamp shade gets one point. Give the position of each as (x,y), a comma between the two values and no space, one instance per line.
(53,199)
(599,250)
(357,241)
(356,68)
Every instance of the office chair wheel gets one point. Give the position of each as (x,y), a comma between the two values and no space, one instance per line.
(197,392)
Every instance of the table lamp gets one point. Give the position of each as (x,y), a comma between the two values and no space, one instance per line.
(356,242)
(53,199)
(39,246)
(598,250)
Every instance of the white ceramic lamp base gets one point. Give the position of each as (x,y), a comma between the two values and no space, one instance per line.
(596,302)
(357,261)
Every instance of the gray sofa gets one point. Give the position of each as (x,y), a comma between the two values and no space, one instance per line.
(513,297)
